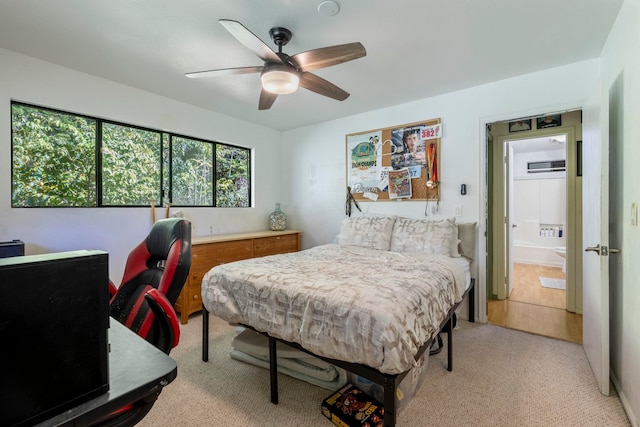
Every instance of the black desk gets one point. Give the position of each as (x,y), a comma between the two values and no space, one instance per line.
(136,369)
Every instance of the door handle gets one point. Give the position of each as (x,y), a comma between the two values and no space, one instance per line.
(602,250)
(593,249)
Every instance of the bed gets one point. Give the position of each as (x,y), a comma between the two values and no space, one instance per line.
(371,303)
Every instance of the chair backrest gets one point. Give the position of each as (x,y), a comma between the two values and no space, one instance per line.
(161,261)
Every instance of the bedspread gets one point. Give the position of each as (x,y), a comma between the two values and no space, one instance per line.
(344,302)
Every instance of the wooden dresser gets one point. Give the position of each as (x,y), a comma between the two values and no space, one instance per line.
(209,251)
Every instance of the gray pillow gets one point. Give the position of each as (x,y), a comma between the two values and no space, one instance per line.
(467,237)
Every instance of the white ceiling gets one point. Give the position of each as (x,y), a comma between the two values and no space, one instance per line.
(415,48)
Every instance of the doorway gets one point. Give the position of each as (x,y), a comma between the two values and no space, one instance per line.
(535,194)
(537,211)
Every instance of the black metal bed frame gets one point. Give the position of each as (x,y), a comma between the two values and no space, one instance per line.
(388,381)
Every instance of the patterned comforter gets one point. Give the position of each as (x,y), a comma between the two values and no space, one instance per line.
(344,302)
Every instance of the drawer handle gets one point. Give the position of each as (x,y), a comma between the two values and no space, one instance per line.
(195,297)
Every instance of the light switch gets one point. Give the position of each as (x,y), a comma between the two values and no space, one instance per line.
(634,214)
(457,211)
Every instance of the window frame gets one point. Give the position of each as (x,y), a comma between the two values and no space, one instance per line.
(213,168)
(166,177)
(99,175)
(57,111)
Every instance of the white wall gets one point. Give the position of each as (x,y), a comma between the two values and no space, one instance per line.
(118,230)
(622,56)
(316,154)
(521,160)
(538,205)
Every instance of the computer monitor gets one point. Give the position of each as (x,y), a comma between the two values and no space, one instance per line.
(54,319)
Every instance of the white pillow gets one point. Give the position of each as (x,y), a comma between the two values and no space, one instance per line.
(438,237)
(367,231)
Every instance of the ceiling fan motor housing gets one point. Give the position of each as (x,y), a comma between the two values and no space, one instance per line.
(280,36)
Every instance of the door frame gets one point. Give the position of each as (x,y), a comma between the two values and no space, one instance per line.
(501,222)
(485,226)
(508,227)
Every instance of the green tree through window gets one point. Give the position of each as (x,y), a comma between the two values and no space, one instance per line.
(192,172)
(54,161)
(232,176)
(131,160)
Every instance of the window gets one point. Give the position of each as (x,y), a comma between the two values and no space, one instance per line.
(232,176)
(61,159)
(191,172)
(53,158)
(131,163)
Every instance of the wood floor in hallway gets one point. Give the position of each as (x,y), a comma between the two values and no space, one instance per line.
(534,308)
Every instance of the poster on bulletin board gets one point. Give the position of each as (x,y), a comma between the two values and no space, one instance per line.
(395,163)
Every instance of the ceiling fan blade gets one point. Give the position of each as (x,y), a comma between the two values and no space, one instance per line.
(250,40)
(266,100)
(321,86)
(327,56)
(224,72)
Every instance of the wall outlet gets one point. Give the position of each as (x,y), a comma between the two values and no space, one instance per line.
(457,211)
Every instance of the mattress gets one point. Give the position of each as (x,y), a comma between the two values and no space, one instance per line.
(465,265)
(344,302)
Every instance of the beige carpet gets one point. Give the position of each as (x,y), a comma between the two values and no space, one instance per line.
(501,377)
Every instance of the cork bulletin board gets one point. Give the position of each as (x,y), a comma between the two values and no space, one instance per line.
(396,163)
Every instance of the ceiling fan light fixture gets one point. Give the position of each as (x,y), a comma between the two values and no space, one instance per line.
(280,82)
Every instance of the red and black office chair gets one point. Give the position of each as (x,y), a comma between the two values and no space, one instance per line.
(154,275)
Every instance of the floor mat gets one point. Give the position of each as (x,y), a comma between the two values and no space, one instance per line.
(548,282)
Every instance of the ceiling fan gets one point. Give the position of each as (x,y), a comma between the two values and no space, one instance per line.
(281,74)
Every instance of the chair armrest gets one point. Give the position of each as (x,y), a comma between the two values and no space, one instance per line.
(165,314)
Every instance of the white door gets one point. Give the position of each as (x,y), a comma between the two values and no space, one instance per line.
(595,236)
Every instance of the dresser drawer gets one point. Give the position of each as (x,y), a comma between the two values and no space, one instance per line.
(212,254)
(194,298)
(195,278)
(275,245)
(189,301)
